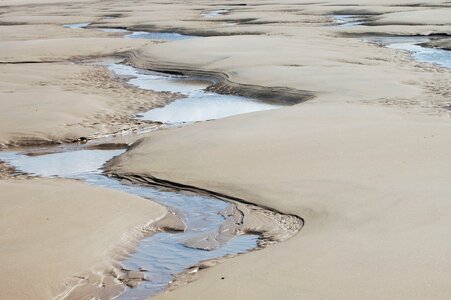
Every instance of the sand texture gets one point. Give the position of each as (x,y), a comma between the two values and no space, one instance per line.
(364,162)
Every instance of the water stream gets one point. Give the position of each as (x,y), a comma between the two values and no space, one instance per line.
(163,254)
(411,44)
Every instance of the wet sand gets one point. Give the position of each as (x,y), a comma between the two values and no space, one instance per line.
(364,163)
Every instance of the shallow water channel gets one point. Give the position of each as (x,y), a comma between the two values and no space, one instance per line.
(163,254)
(411,44)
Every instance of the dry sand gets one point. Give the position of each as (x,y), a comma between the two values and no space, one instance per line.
(55,232)
(364,164)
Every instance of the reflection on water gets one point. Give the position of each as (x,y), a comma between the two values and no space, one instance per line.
(162,254)
(199,105)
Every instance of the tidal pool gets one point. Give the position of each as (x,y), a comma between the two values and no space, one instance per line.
(198,104)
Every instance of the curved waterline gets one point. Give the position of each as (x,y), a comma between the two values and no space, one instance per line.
(216,226)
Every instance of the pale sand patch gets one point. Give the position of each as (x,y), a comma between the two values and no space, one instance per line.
(370,184)
(54,230)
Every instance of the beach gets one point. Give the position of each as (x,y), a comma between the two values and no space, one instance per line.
(57,234)
(354,159)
